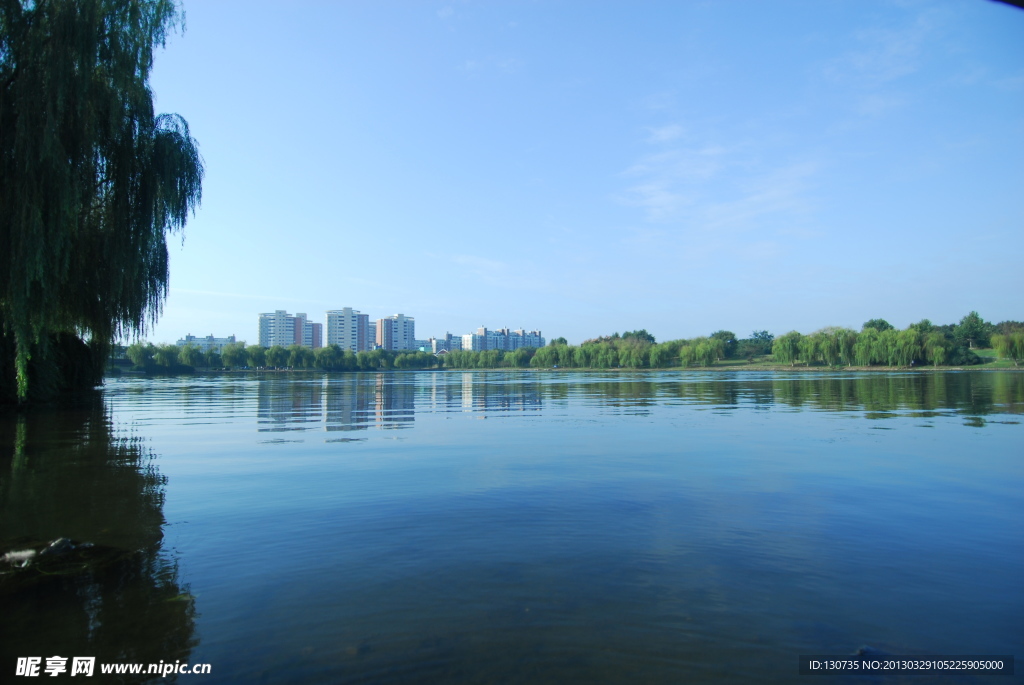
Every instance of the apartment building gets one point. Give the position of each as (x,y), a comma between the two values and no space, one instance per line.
(396,332)
(307,333)
(501,339)
(349,329)
(448,343)
(206,344)
(281,328)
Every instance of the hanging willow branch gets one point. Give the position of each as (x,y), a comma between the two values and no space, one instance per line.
(91,180)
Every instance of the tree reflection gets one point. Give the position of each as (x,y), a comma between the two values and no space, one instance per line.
(875,393)
(64,474)
(355,402)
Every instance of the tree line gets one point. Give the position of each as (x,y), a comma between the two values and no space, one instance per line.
(878,343)
(174,358)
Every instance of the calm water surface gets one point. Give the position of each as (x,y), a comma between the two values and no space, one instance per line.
(520,527)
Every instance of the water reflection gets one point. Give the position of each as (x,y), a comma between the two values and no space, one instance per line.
(356,402)
(561,540)
(63,474)
(875,394)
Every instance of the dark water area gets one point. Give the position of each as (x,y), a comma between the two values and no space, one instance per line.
(518,527)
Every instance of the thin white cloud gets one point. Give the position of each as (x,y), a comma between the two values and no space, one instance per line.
(670,181)
(780,191)
(1011,82)
(491,64)
(665,134)
(659,101)
(445,12)
(886,55)
(511,65)
(877,104)
(479,265)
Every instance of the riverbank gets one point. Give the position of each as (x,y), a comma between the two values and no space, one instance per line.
(727,365)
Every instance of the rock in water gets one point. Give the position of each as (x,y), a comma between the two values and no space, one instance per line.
(58,546)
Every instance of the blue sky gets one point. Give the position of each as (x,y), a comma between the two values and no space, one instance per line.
(585,168)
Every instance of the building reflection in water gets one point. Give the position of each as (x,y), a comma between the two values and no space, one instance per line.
(337,402)
(359,401)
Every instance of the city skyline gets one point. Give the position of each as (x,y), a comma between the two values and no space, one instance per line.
(681,168)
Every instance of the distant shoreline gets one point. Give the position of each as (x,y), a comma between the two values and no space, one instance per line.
(699,369)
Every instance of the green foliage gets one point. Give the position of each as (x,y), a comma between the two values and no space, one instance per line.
(256,356)
(759,343)
(1007,327)
(865,346)
(877,324)
(233,354)
(166,356)
(935,348)
(641,335)
(908,347)
(729,342)
(961,355)
(277,357)
(90,175)
(1010,345)
(633,350)
(809,347)
(845,341)
(190,355)
(558,341)
(973,331)
(213,359)
(141,354)
(787,348)
(300,357)
(885,347)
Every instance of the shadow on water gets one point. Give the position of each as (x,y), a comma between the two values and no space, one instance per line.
(109,591)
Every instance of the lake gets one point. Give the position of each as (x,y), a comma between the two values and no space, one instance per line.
(519,526)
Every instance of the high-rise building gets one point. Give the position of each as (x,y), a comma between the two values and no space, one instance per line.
(307,333)
(397,332)
(277,328)
(525,338)
(281,328)
(349,329)
(448,343)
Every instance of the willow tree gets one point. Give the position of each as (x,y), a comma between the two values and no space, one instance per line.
(786,347)
(1010,346)
(91,178)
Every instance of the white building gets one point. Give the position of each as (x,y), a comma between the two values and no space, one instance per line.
(501,339)
(448,343)
(277,328)
(349,329)
(206,344)
(397,332)
(281,328)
